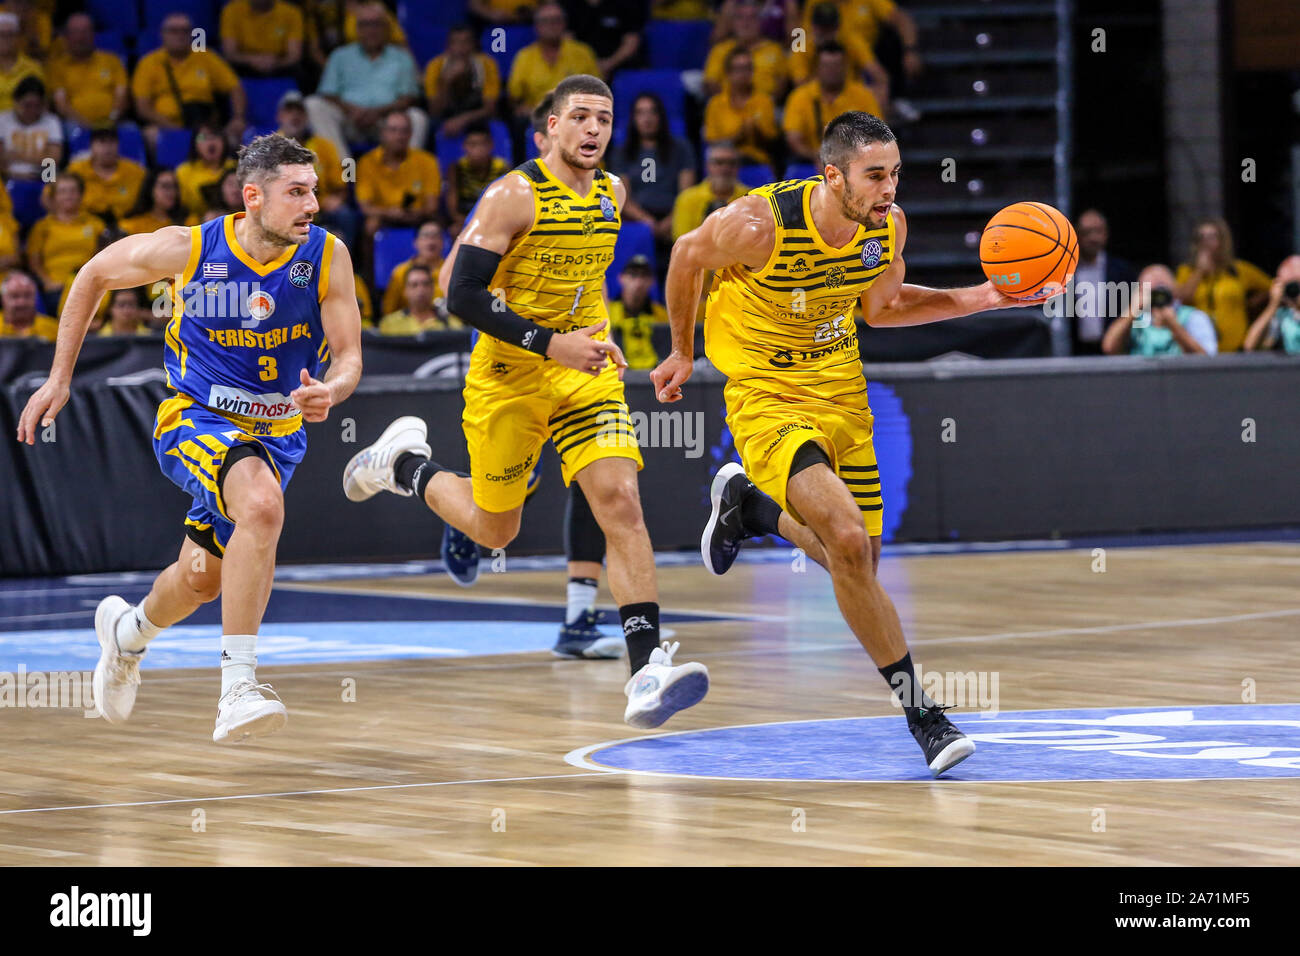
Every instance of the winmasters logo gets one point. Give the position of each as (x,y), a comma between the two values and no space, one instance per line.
(236,401)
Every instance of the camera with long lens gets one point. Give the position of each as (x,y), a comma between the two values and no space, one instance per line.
(1161,296)
(1292,290)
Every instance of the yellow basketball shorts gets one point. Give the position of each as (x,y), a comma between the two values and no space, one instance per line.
(769,428)
(514,402)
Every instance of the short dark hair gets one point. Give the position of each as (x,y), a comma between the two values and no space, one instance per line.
(542,111)
(417,267)
(74,178)
(264,156)
(848,133)
(826,15)
(479,127)
(28,85)
(830,46)
(100,133)
(576,85)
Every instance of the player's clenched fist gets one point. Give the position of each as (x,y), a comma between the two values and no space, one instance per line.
(671,375)
(312,398)
(41,408)
(580,350)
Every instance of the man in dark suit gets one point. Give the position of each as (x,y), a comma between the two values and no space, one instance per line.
(1101,285)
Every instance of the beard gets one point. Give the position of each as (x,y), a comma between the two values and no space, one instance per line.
(273,238)
(578,161)
(850,211)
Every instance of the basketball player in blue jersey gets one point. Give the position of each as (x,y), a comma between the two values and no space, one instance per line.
(260,300)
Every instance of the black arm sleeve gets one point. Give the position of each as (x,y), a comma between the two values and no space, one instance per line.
(470,299)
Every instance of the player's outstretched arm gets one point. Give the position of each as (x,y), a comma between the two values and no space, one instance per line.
(133,261)
(891,302)
(740,233)
(505,212)
(341,320)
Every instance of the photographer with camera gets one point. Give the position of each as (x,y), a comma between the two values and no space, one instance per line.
(1162,325)
(1279,323)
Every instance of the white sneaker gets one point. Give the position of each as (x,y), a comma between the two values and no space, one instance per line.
(371,470)
(660,689)
(117,675)
(248,710)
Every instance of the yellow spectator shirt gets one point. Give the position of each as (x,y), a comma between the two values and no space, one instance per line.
(379,184)
(65,246)
(769,65)
(532,76)
(199,77)
(89,84)
(693,206)
(808,109)
(270,32)
(112,196)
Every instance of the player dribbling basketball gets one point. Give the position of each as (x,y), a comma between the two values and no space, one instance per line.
(792,259)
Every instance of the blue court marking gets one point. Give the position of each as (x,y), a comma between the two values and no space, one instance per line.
(47,624)
(1128,743)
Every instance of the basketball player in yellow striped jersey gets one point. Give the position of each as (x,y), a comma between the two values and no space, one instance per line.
(529,274)
(791,261)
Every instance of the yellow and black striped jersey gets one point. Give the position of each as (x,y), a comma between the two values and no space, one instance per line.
(788,326)
(554,274)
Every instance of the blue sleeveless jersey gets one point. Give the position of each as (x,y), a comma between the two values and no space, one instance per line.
(241,332)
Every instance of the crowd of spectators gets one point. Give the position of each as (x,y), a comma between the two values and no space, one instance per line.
(95,144)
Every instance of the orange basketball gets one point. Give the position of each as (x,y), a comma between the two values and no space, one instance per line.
(1029,250)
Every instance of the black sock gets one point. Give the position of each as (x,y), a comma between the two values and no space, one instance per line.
(641,631)
(759,513)
(413,472)
(901,679)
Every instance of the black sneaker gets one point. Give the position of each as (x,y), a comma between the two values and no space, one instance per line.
(584,638)
(459,556)
(943,744)
(720,542)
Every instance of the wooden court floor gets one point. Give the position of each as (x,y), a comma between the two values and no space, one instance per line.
(462,761)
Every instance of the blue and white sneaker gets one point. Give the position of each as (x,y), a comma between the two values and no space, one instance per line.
(660,688)
(583,638)
(459,556)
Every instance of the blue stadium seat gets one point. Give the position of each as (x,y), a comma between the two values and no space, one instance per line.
(754,175)
(392,247)
(802,171)
(678,44)
(77,138)
(264,95)
(515,39)
(634,238)
(115,14)
(113,42)
(203,13)
(426,38)
(130,143)
(26,198)
(667,83)
(252,132)
(530,146)
(448,150)
(173,147)
(446,13)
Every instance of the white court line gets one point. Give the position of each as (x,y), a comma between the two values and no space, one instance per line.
(326,588)
(299,793)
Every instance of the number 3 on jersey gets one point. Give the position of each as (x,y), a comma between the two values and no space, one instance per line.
(269,372)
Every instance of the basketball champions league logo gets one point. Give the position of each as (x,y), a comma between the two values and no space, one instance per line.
(872,250)
(300,274)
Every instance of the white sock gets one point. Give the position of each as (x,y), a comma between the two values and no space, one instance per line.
(135,630)
(238,659)
(582,598)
